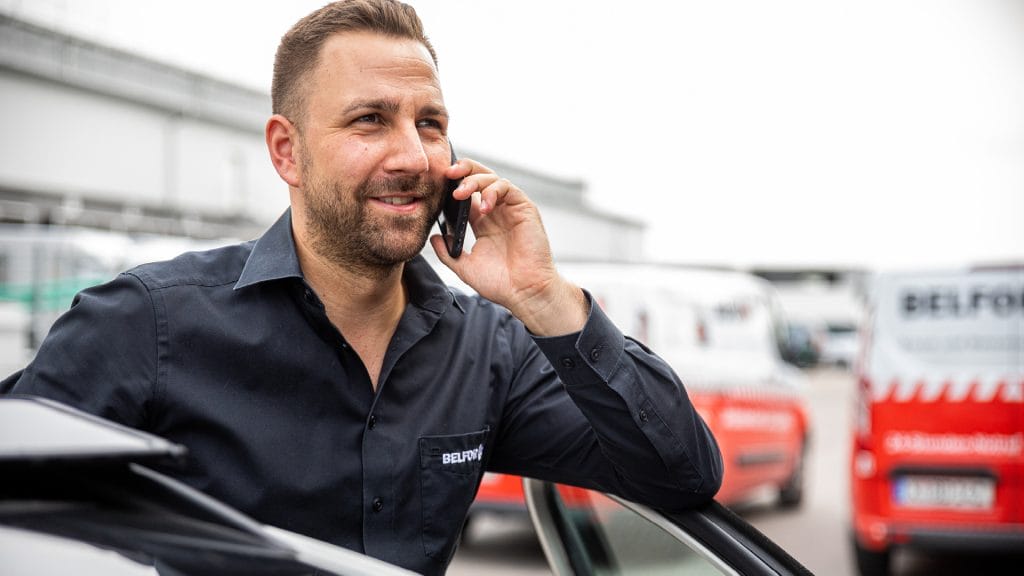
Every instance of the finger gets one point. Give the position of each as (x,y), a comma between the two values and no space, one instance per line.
(476,221)
(495,193)
(462,168)
(474,208)
(441,249)
(501,192)
(466,167)
(474,183)
(479,178)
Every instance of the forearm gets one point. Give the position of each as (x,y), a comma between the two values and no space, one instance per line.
(626,425)
(650,433)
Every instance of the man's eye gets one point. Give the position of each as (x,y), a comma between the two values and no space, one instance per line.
(429,123)
(369,118)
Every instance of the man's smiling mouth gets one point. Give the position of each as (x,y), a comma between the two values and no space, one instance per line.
(398,200)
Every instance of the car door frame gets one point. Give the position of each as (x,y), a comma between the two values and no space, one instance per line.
(725,540)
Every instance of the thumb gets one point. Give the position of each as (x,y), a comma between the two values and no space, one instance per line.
(437,242)
(441,249)
(457,265)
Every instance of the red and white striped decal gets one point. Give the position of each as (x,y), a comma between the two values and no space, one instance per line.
(994,389)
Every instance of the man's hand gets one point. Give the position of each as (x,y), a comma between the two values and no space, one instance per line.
(510,263)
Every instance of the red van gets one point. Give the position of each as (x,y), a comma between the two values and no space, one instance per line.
(720,331)
(938,445)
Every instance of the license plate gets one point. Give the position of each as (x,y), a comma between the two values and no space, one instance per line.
(959,493)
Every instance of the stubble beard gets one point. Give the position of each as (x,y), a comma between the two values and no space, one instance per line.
(344,231)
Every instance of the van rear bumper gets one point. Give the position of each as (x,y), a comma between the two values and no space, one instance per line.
(1009,539)
(953,538)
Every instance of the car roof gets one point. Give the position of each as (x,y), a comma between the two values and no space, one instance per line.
(77,476)
(39,431)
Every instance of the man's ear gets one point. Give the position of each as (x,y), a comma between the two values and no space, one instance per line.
(283,145)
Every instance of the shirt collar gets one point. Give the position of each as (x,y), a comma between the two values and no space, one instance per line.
(425,288)
(274,258)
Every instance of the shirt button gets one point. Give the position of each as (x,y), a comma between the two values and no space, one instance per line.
(373,422)
(378,504)
(568,362)
(595,354)
(643,415)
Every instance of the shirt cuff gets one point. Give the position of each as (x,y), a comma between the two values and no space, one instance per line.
(588,356)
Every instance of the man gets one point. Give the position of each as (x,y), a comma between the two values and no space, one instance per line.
(325,380)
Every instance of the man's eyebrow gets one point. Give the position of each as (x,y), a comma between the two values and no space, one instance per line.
(390,106)
(434,110)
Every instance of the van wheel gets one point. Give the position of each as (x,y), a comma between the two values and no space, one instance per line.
(791,494)
(870,562)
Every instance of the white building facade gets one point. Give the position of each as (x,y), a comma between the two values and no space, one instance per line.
(109,159)
(98,137)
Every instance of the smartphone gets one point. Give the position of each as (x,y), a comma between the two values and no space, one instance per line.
(454,217)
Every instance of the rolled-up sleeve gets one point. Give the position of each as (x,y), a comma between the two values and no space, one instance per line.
(625,426)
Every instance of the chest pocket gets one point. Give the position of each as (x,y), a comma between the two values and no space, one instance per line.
(450,471)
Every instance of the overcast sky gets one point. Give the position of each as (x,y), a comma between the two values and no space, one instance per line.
(882,133)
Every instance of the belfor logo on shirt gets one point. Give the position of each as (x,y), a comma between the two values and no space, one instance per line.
(463,456)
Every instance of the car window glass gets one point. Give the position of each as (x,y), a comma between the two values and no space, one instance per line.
(614,540)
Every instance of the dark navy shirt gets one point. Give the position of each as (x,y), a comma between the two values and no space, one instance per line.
(231,353)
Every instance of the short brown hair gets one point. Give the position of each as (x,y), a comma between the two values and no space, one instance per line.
(300,47)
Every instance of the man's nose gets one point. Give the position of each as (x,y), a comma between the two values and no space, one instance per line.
(406,154)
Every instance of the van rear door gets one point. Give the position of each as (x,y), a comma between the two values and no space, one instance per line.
(939,447)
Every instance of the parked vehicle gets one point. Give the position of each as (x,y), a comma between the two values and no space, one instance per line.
(841,345)
(801,344)
(76,497)
(723,334)
(938,445)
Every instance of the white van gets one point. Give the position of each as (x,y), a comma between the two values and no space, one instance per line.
(938,439)
(719,331)
(722,332)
